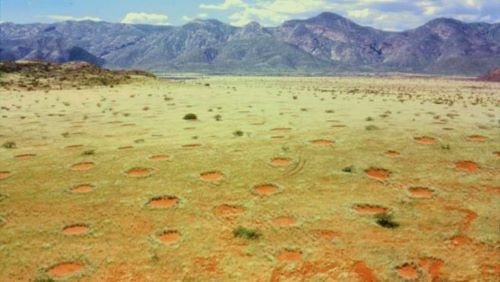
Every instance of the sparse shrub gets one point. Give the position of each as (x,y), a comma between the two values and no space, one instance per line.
(445,147)
(329,111)
(249,234)
(386,221)
(348,169)
(371,127)
(9,145)
(190,117)
(369,119)
(88,153)
(238,133)
(218,117)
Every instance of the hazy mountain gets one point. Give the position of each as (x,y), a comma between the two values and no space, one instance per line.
(327,43)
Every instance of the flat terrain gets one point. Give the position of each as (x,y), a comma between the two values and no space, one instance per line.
(334,179)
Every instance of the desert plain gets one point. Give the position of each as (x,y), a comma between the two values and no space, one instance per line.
(269,179)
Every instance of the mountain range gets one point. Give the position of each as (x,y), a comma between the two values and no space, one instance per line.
(324,44)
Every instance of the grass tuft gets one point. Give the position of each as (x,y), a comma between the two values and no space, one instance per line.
(249,234)
(9,145)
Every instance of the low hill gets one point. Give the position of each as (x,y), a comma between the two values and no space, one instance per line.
(35,75)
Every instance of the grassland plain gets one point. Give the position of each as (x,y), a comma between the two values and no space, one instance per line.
(273,179)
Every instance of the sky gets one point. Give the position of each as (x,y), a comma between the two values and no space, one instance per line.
(383,14)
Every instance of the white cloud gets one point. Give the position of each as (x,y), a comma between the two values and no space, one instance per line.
(384,14)
(71,18)
(226,5)
(145,18)
(359,14)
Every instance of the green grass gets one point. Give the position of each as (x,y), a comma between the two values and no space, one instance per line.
(249,234)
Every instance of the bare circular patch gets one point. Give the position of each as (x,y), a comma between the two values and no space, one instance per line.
(425,140)
(367,209)
(460,240)
(277,137)
(169,236)
(125,147)
(290,255)
(322,142)
(265,189)
(4,174)
(211,175)
(392,154)
(420,192)
(25,156)
(284,221)
(378,173)
(468,166)
(159,157)
(281,162)
(75,146)
(65,269)
(228,210)
(83,166)
(139,172)
(477,138)
(75,229)
(163,202)
(83,188)
(407,271)
(191,145)
(281,129)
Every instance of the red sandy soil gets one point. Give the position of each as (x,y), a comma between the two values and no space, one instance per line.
(228,210)
(322,142)
(211,176)
(365,274)
(468,166)
(378,173)
(477,138)
(392,154)
(76,229)
(425,140)
(407,271)
(82,188)
(4,174)
(75,146)
(169,236)
(25,156)
(163,202)
(284,221)
(266,189)
(139,172)
(159,157)
(420,192)
(280,162)
(82,166)
(367,209)
(290,255)
(65,269)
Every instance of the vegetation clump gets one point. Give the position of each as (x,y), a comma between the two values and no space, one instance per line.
(246,233)
(9,145)
(238,133)
(386,221)
(190,117)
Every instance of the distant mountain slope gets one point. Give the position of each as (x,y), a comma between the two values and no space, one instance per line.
(325,44)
